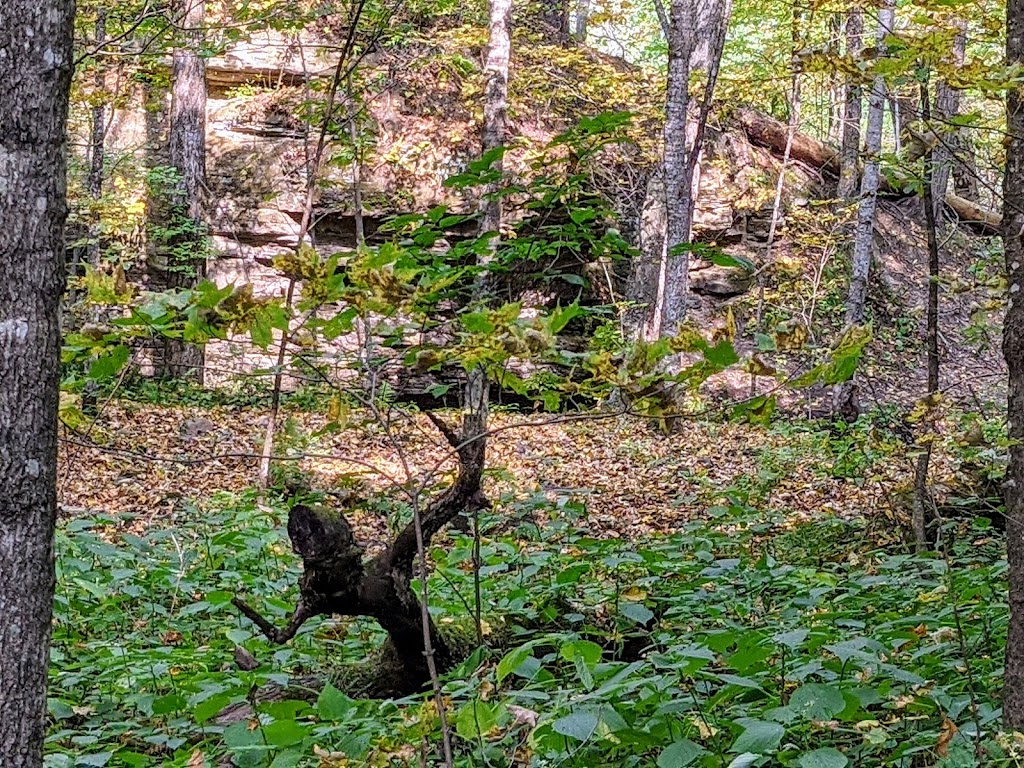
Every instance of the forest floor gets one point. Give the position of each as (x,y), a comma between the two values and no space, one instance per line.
(154,462)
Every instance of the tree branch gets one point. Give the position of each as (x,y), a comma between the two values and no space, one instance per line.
(272,633)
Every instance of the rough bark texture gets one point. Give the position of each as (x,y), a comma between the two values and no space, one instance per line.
(774,134)
(849,155)
(1013,349)
(659,283)
(35,68)
(188,156)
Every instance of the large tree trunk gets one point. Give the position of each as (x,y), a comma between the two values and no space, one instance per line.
(849,155)
(35,69)
(1013,349)
(188,156)
(769,132)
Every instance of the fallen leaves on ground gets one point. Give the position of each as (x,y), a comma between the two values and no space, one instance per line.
(156,462)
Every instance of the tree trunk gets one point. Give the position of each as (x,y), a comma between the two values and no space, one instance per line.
(659,282)
(849,155)
(97,139)
(674,276)
(582,17)
(864,235)
(947,105)
(1013,349)
(922,495)
(188,156)
(35,68)
(768,132)
(863,241)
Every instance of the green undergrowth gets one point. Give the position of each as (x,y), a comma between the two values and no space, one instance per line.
(738,641)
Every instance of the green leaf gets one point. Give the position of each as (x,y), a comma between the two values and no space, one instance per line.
(578,725)
(792,639)
(260,332)
(560,317)
(334,705)
(476,719)
(477,322)
(166,704)
(723,259)
(826,757)
(512,660)
(638,612)
(816,701)
(95,760)
(584,650)
(758,737)
(722,355)
(288,759)
(745,760)
(285,733)
(110,364)
(680,754)
(765,343)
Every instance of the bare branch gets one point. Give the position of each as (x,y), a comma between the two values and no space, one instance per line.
(272,633)
(449,434)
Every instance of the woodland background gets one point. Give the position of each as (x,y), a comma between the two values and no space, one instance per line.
(517,384)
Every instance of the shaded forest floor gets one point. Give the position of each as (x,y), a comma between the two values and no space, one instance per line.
(154,462)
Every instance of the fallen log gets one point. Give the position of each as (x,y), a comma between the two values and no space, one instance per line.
(766,131)
(987,221)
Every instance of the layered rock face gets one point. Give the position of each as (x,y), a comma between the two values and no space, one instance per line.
(417,126)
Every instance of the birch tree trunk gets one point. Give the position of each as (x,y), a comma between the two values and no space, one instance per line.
(856,299)
(1013,350)
(849,154)
(188,156)
(35,68)
(495,128)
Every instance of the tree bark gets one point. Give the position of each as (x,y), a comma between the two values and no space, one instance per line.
(674,277)
(1013,350)
(864,234)
(188,156)
(947,105)
(97,138)
(849,155)
(35,68)
(863,241)
(922,495)
(660,279)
